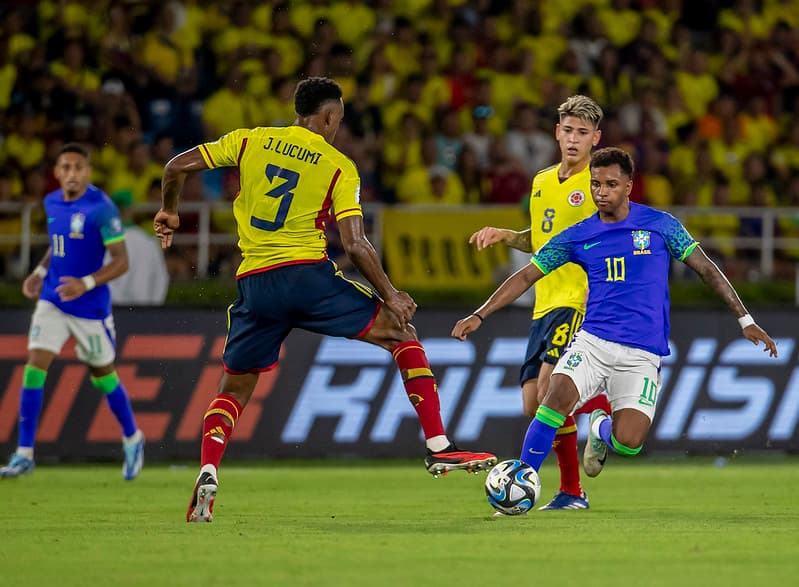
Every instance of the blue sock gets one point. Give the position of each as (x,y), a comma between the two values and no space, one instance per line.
(605,432)
(30,404)
(118,401)
(540,436)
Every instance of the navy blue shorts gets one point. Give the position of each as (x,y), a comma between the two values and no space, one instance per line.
(313,296)
(549,336)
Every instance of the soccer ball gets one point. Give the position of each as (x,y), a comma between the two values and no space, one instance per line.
(513,487)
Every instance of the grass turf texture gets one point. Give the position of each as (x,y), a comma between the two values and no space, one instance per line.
(652,522)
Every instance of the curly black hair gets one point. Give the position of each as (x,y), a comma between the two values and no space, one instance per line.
(613,156)
(311,93)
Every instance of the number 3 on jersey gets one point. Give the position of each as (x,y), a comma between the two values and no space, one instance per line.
(283,192)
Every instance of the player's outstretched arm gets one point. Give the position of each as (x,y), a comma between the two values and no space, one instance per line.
(166,220)
(363,255)
(488,235)
(718,282)
(513,287)
(32,286)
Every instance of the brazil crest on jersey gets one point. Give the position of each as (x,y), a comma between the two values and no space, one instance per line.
(79,231)
(554,206)
(290,179)
(627,264)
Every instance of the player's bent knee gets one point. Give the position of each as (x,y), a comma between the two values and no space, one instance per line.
(627,446)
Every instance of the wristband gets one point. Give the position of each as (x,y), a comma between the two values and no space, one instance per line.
(746,320)
(477,315)
(40,271)
(89,282)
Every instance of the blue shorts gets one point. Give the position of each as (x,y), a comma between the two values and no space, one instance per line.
(549,337)
(313,296)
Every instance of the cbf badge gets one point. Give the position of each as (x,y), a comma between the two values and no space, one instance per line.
(576,198)
(76,223)
(573,361)
(641,242)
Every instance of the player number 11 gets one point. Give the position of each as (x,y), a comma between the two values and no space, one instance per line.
(58,245)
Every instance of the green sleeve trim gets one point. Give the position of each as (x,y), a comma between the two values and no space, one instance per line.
(540,268)
(114,239)
(106,383)
(689,250)
(625,451)
(33,377)
(549,417)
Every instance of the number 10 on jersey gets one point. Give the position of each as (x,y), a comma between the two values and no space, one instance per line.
(615,268)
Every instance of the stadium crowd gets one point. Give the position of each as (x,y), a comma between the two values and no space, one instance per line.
(448,101)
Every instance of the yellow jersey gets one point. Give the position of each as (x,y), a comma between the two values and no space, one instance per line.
(290,179)
(554,206)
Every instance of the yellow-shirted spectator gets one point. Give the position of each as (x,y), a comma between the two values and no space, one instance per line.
(278,107)
(135,178)
(546,51)
(657,187)
(621,23)
(402,149)
(113,155)
(785,156)
(161,53)
(664,18)
(722,227)
(230,107)
(758,126)
(435,89)
(354,20)
(24,146)
(744,20)
(786,11)
(403,52)
(384,81)
(19,41)
(431,185)
(698,87)
(303,16)
(411,101)
(72,72)
(8,76)
(611,84)
(729,152)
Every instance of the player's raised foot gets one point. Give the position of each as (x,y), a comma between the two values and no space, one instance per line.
(134,456)
(596,451)
(17,465)
(567,501)
(452,458)
(201,508)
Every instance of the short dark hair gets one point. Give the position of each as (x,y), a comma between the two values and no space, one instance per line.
(613,156)
(311,93)
(74,148)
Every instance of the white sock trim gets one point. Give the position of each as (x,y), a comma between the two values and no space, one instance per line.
(437,443)
(595,425)
(25,451)
(208,469)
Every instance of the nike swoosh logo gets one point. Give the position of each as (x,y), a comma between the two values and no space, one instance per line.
(535,452)
(603,459)
(50,220)
(591,246)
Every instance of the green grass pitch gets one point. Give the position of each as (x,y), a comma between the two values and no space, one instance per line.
(652,522)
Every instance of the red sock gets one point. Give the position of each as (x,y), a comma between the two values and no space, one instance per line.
(598,402)
(218,424)
(420,385)
(565,447)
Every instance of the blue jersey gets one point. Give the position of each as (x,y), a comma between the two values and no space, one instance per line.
(627,264)
(79,231)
